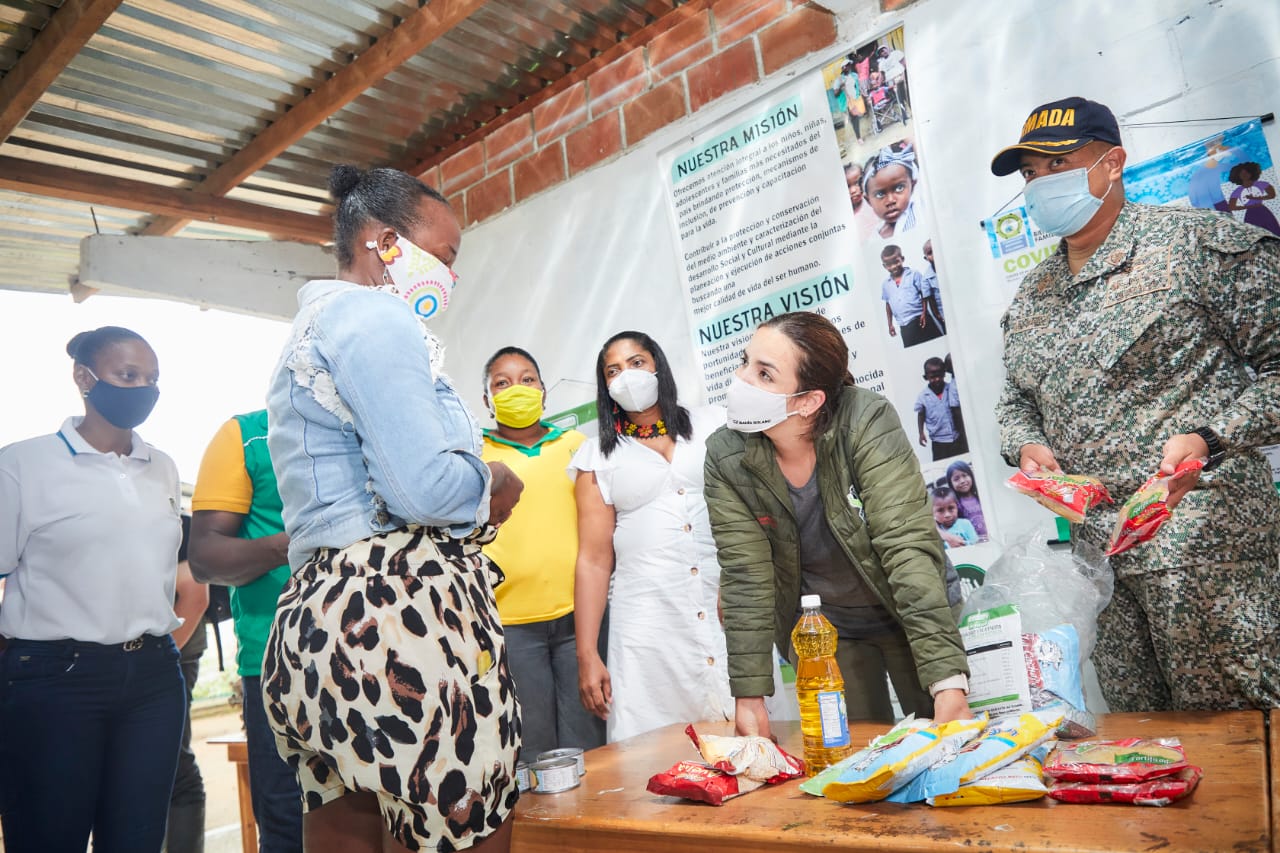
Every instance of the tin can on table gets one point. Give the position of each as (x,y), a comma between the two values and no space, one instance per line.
(568,752)
(553,776)
(522,776)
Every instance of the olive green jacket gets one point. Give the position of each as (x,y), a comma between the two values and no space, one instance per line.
(878,510)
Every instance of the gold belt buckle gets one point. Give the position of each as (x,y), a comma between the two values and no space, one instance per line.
(133,645)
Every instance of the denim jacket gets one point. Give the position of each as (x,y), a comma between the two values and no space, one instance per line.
(366,433)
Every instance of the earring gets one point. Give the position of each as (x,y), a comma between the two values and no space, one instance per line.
(84,394)
(369,244)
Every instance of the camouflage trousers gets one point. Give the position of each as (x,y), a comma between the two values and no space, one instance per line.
(1192,638)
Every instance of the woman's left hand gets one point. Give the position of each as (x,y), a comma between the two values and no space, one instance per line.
(950,705)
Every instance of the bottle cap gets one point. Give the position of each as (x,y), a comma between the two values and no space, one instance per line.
(807,601)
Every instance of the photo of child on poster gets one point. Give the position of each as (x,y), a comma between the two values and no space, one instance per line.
(910,303)
(939,421)
(956,504)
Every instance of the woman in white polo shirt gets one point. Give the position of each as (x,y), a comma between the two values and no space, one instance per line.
(91,696)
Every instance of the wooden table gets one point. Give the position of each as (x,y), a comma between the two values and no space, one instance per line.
(238,754)
(611,811)
(1273,751)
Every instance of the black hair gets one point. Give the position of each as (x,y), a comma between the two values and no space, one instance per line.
(505,351)
(1239,170)
(851,167)
(85,347)
(961,465)
(941,493)
(386,196)
(889,251)
(935,362)
(609,414)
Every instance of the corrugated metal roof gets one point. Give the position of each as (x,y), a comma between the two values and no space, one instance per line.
(168,90)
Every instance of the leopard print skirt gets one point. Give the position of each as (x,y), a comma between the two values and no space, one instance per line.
(386,671)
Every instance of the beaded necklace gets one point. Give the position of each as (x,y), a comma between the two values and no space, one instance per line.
(653,430)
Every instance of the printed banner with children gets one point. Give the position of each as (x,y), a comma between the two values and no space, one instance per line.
(815,198)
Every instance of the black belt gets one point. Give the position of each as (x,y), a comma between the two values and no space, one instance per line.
(146,640)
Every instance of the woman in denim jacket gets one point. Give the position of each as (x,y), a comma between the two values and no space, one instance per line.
(385,675)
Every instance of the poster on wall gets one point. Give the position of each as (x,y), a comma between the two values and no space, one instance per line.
(814,198)
(1017,247)
(1230,172)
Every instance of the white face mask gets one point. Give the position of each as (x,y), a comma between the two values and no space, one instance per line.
(418,277)
(1061,203)
(634,390)
(753,409)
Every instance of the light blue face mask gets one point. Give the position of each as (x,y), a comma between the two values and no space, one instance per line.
(1061,204)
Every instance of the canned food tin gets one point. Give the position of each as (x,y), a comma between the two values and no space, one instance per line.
(553,776)
(568,752)
(522,776)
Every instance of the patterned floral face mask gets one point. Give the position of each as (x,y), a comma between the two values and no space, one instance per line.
(418,277)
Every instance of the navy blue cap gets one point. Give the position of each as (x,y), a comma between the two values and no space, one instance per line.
(1057,128)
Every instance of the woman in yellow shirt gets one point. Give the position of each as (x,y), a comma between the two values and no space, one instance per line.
(537,549)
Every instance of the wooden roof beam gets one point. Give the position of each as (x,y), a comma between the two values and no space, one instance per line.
(414,33)
(69,29)
(27,176)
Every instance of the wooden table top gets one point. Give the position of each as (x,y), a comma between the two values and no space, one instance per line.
(611,810)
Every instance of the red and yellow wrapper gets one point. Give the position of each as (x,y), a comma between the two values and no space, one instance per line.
(1069,495)
(1142,515)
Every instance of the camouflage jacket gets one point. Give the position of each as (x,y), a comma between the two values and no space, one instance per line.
(1173,324)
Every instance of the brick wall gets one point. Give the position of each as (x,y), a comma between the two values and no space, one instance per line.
(721,47)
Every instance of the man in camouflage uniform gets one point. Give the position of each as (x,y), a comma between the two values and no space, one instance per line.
(1152,336)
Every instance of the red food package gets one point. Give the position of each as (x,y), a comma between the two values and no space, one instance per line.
(756,758)
(1144,513)
(1116,762)
(1069,495)
(694,781)
(738,765)
(1153,792)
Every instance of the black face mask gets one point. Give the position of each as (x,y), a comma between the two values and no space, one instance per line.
(124,408)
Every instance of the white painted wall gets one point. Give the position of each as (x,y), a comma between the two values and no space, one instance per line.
(562,272)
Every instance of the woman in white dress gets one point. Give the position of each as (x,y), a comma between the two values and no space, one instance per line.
(642,519)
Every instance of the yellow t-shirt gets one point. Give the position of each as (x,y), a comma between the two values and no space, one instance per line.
(223,483)
(537,547)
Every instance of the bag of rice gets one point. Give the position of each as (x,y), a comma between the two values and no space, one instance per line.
(1002,742)
(1018,782)
(875,774)
(815,784)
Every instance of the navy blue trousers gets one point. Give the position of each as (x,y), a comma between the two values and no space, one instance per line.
(89,739)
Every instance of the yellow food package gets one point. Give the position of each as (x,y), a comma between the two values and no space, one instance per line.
(1019,782)
(878,773)
(1003,741)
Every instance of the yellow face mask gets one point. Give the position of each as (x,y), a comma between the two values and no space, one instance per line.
(518,406)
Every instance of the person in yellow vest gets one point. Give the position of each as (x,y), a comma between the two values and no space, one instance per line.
(537,549)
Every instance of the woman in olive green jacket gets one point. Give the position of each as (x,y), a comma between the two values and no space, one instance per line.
(814,488)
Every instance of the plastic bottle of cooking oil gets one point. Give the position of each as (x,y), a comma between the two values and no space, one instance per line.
(820,689)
